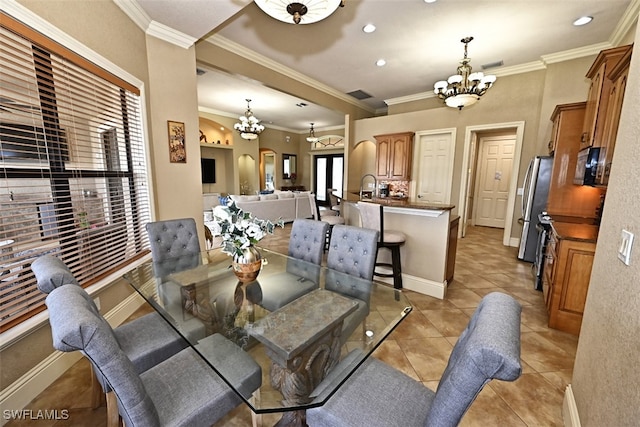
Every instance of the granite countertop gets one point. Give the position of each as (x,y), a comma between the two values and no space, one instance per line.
(400,202)
(576,231)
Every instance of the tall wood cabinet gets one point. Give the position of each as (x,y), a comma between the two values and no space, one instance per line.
(566,198)
(393,156)
(599,94)
(618,75)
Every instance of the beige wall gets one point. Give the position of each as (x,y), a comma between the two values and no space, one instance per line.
(513,98)
(606,375)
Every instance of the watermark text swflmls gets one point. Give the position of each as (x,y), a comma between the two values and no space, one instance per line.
(32,414)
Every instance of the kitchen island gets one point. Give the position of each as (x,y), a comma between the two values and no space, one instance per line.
(428,255)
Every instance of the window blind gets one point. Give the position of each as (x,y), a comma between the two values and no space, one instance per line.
(73,177)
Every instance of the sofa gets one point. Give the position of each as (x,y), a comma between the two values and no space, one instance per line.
(280,205)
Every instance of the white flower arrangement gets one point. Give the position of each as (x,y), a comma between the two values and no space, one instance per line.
(240,229)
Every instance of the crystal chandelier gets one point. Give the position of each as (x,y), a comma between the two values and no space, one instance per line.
(312,138)
(300,12)
(249,126)
(465,88)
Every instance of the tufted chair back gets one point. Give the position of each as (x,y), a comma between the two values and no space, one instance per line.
(174,245)
(307,240)
(353,250)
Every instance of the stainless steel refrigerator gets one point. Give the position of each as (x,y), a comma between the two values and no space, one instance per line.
(534,201)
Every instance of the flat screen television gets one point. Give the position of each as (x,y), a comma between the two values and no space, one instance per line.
(208,167)
(25,142)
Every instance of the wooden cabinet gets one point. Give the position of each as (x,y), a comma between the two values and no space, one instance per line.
(567,272)
(619,75)
(565,198)
(598,97)
(393,156)
(452,247)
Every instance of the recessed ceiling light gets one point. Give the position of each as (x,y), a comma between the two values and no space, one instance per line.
(369,28)
(583,20)
(381,62)
(430,1)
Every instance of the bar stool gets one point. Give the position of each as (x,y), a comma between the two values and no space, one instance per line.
(372,217)
(329,218)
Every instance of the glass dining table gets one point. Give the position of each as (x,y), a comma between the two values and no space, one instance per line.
(306,328)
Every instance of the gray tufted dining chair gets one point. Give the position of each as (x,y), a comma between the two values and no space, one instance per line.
(377,395)
(146,340)
(182,390)
(175,244)
(351,261)
(175,247)
(353,250)
(306,249)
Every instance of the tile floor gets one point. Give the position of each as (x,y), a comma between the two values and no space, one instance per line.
(420,346)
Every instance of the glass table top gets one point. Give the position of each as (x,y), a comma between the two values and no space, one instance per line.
(300,323)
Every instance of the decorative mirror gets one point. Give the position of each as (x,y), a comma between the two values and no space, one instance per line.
(289,165)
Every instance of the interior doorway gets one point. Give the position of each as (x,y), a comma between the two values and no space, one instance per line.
(267,169)
(492,178)
(329,173)
(470,170)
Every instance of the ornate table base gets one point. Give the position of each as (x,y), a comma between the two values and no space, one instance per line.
(298,377)
(303,342)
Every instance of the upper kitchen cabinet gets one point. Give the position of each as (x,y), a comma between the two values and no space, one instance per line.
(619,75)
(393,156)
(565,198)
(599,92)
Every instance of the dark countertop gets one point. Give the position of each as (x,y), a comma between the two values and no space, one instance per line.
(576,231)
(399,202)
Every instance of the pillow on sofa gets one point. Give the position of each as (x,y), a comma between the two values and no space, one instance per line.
(268,197)
(239,198)
(286,195)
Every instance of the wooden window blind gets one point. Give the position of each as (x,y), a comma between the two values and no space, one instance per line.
(73,178)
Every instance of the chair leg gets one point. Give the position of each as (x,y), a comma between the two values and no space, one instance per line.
(113,417)
(256,419)
(397,268)
(97,394)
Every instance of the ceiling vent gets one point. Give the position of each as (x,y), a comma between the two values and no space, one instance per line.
(493,65)
(359,94)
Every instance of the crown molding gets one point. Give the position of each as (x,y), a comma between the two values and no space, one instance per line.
(518,69)
(153,28)
(629,19)
(576,53)
(250,55)
(21,13)
(170,35)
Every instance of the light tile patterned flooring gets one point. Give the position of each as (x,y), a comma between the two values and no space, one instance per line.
(420,346)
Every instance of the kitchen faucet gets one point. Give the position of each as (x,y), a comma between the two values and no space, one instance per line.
(375,185)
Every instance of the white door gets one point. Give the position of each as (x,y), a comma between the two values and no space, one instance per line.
(495,161)
(435,166)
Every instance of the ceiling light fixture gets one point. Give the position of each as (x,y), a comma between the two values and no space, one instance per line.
(300,12)
(465,88)
(381,62)
(312,135)
(369,28)
(249,126)
(583,20)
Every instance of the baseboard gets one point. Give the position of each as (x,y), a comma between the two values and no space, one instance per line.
(26,388)
(419,284)
(570,415)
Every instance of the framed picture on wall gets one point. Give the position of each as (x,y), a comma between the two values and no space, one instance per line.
(177,149)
